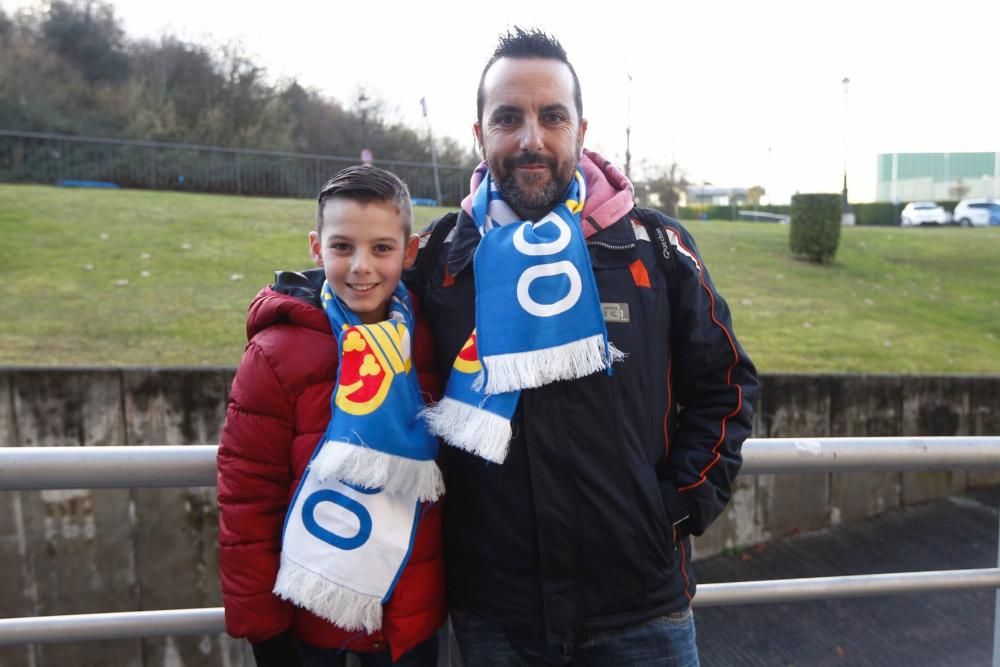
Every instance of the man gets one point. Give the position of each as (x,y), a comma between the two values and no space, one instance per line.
(569,544)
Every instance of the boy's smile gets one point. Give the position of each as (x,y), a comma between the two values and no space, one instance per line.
(363,251)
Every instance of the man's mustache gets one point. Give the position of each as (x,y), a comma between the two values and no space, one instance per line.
(532,158)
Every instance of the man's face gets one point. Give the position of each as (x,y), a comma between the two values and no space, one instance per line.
(530,134)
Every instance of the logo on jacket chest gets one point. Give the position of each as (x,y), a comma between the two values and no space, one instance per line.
(615,312)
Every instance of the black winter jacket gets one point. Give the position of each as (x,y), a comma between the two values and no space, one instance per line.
(585,526)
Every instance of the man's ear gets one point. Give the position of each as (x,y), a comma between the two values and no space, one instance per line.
(477,130)
(410,251)
(581,135)
(315,249)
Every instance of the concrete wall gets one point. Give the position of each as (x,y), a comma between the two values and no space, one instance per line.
(84,551)
(793,405)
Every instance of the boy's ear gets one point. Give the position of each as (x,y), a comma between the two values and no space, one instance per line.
(315,250)
(410,252)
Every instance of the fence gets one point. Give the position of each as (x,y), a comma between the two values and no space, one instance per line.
(33,157)
(160,466)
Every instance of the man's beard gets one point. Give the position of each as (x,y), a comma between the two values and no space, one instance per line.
(542,196)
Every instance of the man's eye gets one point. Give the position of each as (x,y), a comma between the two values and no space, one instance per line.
(506,121)
(554,118)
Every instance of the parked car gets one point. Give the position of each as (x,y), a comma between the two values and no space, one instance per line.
(923,213)
(977,212)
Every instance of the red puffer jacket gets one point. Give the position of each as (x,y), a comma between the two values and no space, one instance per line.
(278,409)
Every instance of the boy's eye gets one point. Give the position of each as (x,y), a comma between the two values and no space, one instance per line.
(341,247)
(383,248)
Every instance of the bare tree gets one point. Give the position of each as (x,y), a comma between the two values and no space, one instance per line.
(664,189)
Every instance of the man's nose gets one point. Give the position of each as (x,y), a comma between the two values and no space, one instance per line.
(531,135)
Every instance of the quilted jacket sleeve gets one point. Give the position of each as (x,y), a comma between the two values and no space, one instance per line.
(714,385)
(254,477)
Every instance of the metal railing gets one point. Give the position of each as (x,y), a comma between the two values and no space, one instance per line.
(23,468)
(38,157)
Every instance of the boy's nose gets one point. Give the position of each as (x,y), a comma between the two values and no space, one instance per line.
(361,264)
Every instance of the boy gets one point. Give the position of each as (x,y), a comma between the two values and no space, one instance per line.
(354,475)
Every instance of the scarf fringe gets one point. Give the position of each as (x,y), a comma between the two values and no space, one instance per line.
(535,368)
(479,432)
(341,606)
(374,469)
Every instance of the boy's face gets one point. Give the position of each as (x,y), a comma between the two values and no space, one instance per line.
(363,251)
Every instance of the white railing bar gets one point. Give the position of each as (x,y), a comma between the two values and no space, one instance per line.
(117,625)
(25,468)
(209,621)
(823,588)
(790,455)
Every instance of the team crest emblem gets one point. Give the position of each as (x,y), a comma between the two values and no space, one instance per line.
(372,355)
(467,360)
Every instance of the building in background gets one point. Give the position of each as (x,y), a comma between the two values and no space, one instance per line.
(904,177)
(715,196)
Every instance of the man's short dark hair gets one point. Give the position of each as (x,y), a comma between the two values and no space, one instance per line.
(525,44)
(366,184)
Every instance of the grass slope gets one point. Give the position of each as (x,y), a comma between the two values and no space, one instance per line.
(895,300)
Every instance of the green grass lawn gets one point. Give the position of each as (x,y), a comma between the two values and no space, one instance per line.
(147,278)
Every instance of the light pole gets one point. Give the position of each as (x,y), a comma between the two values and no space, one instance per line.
(434,159)
(846,207)
(366,153)
(628,131)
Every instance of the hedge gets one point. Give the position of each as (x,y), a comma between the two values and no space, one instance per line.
(815,226)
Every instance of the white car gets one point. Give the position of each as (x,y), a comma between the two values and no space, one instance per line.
(923,213)
(979,212)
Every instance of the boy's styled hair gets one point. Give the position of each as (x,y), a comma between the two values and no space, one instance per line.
(525,44)
(366,184)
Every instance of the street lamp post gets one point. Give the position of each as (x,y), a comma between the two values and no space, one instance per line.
(434,159)
(848,218)
(628,131)
(366,153)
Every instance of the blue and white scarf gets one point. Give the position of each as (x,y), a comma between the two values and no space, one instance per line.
(538,319)
(350,527)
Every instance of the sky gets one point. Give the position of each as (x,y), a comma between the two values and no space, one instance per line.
(737,93)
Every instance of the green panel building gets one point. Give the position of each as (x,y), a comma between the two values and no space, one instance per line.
(904,177)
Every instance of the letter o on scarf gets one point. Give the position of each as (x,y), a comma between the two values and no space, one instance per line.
(331,538)
(543,271)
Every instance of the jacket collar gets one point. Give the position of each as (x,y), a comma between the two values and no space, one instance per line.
(304,285)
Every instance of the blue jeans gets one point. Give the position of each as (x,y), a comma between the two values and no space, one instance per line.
(667,641)
(421,655)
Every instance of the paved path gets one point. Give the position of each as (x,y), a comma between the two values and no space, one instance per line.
(944,629)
